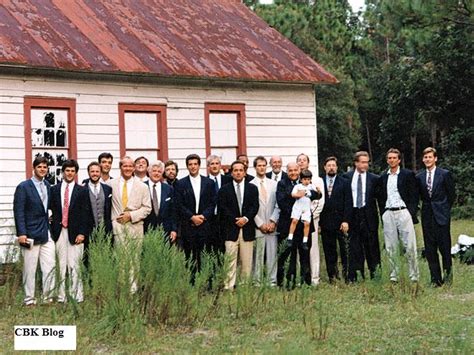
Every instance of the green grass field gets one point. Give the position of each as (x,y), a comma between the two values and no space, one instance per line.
(371,316)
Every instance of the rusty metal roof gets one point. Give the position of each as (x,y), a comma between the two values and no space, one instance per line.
(215,39)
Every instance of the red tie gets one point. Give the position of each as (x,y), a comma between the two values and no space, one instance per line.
(66,207)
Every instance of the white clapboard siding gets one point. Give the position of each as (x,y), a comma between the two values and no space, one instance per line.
(280,120)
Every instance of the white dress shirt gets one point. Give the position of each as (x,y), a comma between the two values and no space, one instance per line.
(354,187)
(394,200)
(217,177)
(278,176)
(432,176)
(157,188)
(242,188)
(63,191)
(196,184)
(93,188)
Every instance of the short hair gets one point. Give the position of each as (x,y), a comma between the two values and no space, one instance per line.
(235,163)
(70,163)
(193,157)
(40,160)
(139,158)
(171,162)
(430,150)
(242,155)
(331,158)
(212,157)
(124,158)
(261,158)
(304,155)
(91,164)
(157,163)
(394,151)
(360,153)
(106,156)
(306,174)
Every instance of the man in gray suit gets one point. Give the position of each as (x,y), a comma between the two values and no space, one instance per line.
(265,221)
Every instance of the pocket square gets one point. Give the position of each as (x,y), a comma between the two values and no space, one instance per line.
(110,196)
(169,198)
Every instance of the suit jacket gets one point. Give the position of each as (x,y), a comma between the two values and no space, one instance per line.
(283,175)
(186,205)
(31,219)
(167,210)
(225,179)
(338,207)
(77,213)
(285,203)
(139,207)
(442,195)
(407,188)
(106,190)
(371,191)
(268,208)
(229,211)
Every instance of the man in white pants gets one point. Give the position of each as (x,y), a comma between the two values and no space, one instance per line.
(398,197)
(316,207)
(266,240)
(68,201)
(30,208)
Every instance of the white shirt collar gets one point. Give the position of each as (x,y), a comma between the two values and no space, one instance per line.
(389,172)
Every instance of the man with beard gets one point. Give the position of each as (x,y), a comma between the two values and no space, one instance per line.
(277,173)
(171,173)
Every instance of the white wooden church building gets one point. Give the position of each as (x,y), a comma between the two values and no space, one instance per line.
(157,78)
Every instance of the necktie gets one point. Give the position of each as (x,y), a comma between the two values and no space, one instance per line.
(263,190)
(124,195)
(359,192)
(96,190)
(276,177)
(156,206)
(330,186)
(44,195)
(216,184)
(239,198)
(66,207)
(428,184)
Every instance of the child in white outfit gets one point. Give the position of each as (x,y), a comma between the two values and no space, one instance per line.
(302,207)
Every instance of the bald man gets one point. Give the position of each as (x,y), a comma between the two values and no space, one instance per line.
(277,173)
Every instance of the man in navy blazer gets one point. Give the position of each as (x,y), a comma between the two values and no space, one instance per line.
(69,229)
(196,203)
(238,205)
(30,209)
(285,202)
(98,197)
(398,203)
(364,243)
(334,218)
(163,211)
(437,192)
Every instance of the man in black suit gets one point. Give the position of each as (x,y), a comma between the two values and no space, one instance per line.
(238,206)
(398,201)
(363,229)
(285,203)
(163,211)
(214,166)
(245,159)
(98,205)
(277,173)
(196,203)
(30,209)
(68,228)
(437,192)
(334,218)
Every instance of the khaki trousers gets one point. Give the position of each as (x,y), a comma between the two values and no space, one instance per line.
(245,251)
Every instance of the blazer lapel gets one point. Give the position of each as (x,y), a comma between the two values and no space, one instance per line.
(190,189)
(75,192)
(35,192)
(437,178)
(163,196)
(368,186)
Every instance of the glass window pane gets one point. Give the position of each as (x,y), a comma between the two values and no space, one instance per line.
(141,130)
(223,129)
(49,128)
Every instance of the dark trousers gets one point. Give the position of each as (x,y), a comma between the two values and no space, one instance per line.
(363,246)
(437,238)
(193,248)
(215,243)
(331,239)
(284,252)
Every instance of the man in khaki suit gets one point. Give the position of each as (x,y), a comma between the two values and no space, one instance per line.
(266,241)
(131,203)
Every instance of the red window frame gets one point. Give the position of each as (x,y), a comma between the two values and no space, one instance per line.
(40,102)
(161,124)
(239,109)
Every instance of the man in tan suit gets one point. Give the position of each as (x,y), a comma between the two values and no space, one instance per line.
(266,241)
(131,203)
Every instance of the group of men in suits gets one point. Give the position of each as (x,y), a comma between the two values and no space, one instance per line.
(236,214)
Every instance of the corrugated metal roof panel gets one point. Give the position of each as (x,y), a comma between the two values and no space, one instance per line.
(186,38)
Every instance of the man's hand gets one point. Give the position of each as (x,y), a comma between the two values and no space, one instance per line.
(22,239)
(264,228)
(271,227)
(198,219)
(299,194)
(124,217)
(173,236)
(344,227)
(241,221)
(80,239)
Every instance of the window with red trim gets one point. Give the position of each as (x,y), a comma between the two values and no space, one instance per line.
(50,131)
(143,131)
